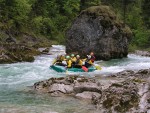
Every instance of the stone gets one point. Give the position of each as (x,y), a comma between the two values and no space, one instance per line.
(142,53)
(87,86)
(143,71)
(66,89)
(98,29)
(130,93)
(87,95)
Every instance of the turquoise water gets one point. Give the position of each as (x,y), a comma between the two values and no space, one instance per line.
(17,97)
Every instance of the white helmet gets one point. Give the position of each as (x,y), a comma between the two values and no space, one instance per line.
(89,56)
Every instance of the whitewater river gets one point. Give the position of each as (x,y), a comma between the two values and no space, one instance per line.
(17,97)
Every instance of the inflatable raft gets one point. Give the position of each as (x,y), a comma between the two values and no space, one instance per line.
(63,69)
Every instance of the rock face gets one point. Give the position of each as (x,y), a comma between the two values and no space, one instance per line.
(12,53)
(124,92)
(98,29)
(20,47)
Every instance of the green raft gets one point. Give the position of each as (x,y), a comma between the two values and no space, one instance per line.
(63,69)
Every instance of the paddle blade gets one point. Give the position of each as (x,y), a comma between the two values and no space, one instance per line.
(66,71)
(54,61)
(98,67)
(85,69)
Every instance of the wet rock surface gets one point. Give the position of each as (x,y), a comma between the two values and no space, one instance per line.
(98,29)
(126,91)
(142,53)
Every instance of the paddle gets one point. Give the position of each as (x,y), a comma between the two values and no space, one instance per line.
(54,61)
(85,68)
(98,67)
(66,69)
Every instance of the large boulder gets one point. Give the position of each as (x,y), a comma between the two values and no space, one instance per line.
(98,29)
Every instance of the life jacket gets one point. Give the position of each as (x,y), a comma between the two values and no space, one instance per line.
(79,62)
(62,58)
(69,63)
(89,61)
(59,60)
(73,59)
(93,58)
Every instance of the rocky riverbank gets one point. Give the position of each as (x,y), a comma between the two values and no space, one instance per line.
(21,47)
(12,53)
(126,91)
(142,53)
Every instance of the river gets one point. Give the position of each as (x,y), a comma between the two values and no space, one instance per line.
(17,97)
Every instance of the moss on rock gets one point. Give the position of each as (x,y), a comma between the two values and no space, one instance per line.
(109,18)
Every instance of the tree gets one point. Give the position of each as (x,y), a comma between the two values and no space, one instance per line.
(125,4)
(14,14)
(146,12)
(87,3)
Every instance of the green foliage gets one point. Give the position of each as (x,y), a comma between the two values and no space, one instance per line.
(142,38)
(137,13)
(14,13)
(87,3)
(146,12)
(51,18)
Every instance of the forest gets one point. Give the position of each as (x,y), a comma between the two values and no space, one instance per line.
(51,18)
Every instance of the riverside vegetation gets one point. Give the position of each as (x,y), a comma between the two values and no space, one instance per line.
(51,18)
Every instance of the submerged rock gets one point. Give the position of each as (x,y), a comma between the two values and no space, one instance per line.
(98,29)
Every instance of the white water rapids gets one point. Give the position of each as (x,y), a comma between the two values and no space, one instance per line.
(15,96)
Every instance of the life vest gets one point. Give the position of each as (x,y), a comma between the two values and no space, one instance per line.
(73,59)
(69,63)
(79,62)
(89,61)
(92,59)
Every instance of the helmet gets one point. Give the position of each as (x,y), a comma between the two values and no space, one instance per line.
(89,56)
(72,55)
(78,56)
(67,57)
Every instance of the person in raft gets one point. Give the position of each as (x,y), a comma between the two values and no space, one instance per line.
(78,63)
(69,62)
(58,60)
(92,57)
(88,61)
(73,59)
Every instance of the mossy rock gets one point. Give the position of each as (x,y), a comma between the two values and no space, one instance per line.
(100,30)
(110,18)
(102,10)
